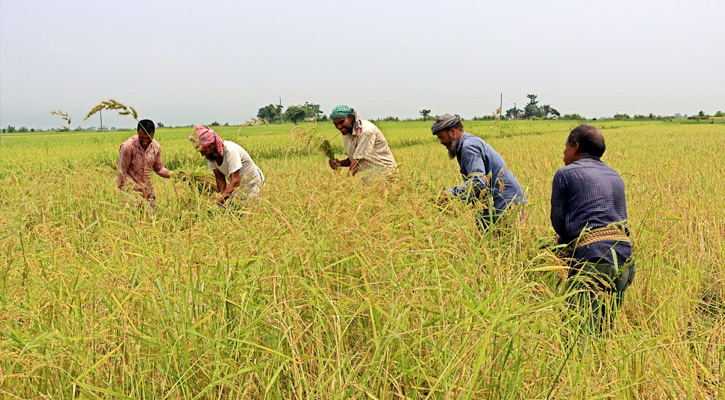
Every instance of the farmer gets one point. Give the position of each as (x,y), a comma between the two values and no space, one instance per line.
(485,175)
(228,160)
(589,213)
(365,145)
(137,155)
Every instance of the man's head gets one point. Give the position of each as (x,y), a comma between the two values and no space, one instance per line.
(210,152)
(209,143)
(146,130)
(344,119)
(449,130)
(583,140)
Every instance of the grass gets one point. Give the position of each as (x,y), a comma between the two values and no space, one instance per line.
(330,287)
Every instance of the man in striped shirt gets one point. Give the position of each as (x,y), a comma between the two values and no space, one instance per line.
(137,156)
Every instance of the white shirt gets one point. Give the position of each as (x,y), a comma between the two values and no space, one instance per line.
(237,159)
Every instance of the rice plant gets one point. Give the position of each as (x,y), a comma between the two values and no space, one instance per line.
(309,137)
(64,116)
(114,105)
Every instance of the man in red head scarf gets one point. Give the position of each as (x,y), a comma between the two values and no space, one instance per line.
(230,161)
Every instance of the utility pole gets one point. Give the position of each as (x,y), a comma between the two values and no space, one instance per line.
(100,113)
(280,110)
(500,106)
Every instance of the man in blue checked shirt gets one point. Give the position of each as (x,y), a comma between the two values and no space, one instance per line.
(485,175)
(589,214)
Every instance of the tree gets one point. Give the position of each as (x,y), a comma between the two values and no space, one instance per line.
(11,129)
(425,114)
(295,113)
(573,117)
(532,110)
(621,117)
(719,114)
(312,111)
(550,112)
(269,113)
(514,113)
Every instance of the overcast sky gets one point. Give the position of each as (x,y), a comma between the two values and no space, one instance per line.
(182,62)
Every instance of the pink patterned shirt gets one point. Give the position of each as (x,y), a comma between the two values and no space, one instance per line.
(135,163)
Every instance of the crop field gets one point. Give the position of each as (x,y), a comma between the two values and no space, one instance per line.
(330,287)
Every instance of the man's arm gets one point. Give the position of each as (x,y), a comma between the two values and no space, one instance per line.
(559,206)
(221,181)
(124,159)
(335,164)
(475,172)
(159,166)
(234,182)
(354,166)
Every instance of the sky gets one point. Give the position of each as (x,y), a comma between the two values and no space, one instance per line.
(187,62)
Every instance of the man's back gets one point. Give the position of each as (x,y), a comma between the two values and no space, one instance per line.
(589,194)
(237,159)
(475,158)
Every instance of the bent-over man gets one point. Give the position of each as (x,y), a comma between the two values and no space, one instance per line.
(230,161)
(485,174)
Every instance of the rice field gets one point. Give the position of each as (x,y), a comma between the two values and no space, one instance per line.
(330,287)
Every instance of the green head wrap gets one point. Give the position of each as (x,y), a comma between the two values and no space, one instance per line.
(340,111)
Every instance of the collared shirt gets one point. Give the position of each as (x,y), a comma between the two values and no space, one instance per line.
(237,159)
(369,148)
(589,194)
(135,163)
(482,169)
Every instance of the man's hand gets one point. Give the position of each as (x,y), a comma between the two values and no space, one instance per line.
(221,201)
(443,196)
(334,164)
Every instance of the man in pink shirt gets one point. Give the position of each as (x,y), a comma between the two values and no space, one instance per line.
(137,155)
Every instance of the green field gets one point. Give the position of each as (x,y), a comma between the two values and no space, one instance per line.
(330,287)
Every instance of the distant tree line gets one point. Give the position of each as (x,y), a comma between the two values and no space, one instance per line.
(533,110)
(310,111)
(306,112)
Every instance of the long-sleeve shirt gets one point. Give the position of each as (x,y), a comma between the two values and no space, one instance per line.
(135,163)
(370,149)
(589,194)
(483,169)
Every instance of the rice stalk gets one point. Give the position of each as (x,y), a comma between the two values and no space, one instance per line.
(309,137)
(64,116)
(114,105)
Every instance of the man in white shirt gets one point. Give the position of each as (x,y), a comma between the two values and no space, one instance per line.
(229,160)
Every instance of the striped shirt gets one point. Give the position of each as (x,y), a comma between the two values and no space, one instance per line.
(135,165)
